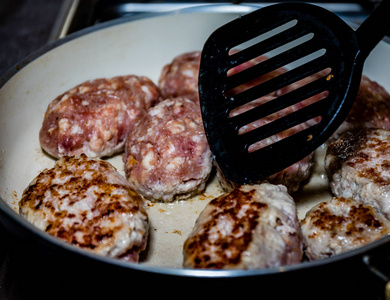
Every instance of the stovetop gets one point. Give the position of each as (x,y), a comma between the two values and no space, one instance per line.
(79,14)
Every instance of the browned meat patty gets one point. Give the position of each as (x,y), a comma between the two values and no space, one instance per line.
(180,77)
(167,156)
(254,226)
(371,108)
(358,167)
(87,203)
(341,225)
(94,117)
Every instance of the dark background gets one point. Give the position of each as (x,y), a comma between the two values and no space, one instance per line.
(25,26)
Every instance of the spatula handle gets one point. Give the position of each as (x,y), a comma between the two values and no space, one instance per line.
(374,28)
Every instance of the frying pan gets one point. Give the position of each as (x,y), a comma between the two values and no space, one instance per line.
(142,46)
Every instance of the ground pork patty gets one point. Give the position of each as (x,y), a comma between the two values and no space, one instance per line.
(254,226)
(87,203)
(180,77)
(167,156)
(371,108)
(358,167)
(341,225)
(94,117)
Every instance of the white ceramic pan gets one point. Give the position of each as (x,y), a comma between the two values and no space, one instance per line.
(140,46)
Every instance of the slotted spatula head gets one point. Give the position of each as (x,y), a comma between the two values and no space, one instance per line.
(256,122)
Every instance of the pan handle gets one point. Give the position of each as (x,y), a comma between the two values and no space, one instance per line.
(374,267)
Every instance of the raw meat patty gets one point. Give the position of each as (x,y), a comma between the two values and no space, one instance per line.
(87,203)
(167,156)
(94,117)
(358,167)
(371,108)
(254,226)
(180,77)
(341,225)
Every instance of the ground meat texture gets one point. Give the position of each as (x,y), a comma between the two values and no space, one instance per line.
(371,108)
(167,156)
(341,225)
(87,203)
(180,77)
(94,117)
(358,167)
(254,226)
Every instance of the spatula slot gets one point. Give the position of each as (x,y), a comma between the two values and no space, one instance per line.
(288,100)
(300,83)
(250,119)
(240,79)
(274,106)
(304,60)
(257,80)
(270,50)
(282,123)
(262,37)
(265,111)
(269,141)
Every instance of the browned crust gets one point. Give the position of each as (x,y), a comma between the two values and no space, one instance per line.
(349,145)
(67,181)
(358,215)
(229,247)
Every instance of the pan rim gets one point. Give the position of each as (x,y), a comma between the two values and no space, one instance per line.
(5,209)
(17,67)
(358,253)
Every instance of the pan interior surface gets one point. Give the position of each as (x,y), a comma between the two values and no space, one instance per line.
(140,47)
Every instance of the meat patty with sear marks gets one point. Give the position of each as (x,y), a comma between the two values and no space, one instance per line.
(254,226)
(94,117)
(341,225)
(87,203)
(371,109)
(167,156)
(358,167)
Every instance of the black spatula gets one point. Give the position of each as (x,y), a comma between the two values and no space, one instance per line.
(310,42)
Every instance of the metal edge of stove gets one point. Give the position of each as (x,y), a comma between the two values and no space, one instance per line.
(64,19)
(78,14)
(69,16)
